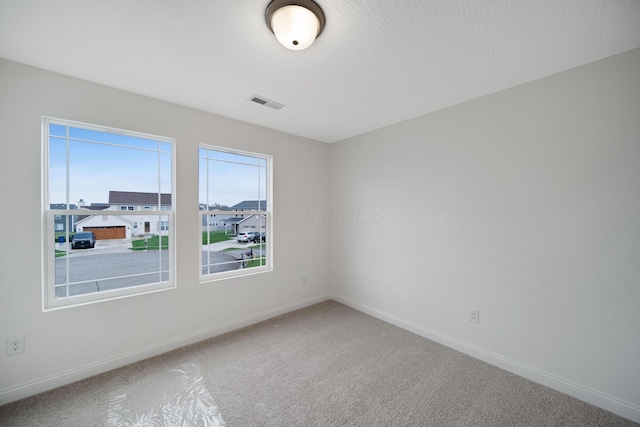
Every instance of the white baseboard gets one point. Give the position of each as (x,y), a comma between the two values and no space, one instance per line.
(586,394)
(67,377)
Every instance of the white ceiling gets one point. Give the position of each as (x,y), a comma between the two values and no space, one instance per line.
(378,62)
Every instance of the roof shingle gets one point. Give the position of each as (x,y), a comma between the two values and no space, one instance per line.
(137,198)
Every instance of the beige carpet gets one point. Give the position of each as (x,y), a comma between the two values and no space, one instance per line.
(325,365)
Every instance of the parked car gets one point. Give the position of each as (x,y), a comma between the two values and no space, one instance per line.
(254,236)
(84,239)
(242,237)
(263,236)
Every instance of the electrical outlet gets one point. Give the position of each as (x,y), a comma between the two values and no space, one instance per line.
(15,345)
(474,315)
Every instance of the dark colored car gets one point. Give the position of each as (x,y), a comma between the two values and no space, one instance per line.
(84,239)
(254,237)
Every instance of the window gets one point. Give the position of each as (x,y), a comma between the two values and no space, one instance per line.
(100,168)
(235,213)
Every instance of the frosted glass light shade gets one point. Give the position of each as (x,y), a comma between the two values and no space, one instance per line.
(295,27)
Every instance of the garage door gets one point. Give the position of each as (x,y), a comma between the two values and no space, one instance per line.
(105,233)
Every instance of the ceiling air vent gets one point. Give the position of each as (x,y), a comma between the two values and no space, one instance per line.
(266,102)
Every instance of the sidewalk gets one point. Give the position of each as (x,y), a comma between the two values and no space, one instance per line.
(240,249)
(245,253)
(218,246)
(110,246)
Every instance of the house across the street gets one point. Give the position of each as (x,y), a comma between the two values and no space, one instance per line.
(256,223)
(250,205)
(127,226)
(234,219)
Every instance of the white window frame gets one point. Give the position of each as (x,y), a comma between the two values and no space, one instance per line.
(49,300)
(268,213)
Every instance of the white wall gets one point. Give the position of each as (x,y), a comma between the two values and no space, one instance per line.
(524,204)
(73,343)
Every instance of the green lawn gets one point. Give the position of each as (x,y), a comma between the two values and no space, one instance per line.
(215,237)
(152,243)
(256,262)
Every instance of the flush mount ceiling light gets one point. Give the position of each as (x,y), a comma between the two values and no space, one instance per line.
(296,23)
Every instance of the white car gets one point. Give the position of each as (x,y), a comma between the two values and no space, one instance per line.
(243,237)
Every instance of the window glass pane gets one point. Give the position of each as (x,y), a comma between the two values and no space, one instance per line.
(58,171)
(99,257)
(165,147)
(57,130)
(113,138)
(233,242)
(203,199)
(96,169)
(165,173)
(93,271)
(233,184)
(232,157)
(262,185)
(109,178)
(164,253)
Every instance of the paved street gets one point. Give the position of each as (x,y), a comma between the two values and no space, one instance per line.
(112,265)
(96,271)
(123,246)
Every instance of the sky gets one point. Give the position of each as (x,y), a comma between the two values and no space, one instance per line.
(97,162)
(228,178)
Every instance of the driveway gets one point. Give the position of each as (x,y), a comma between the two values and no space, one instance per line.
(111,246)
